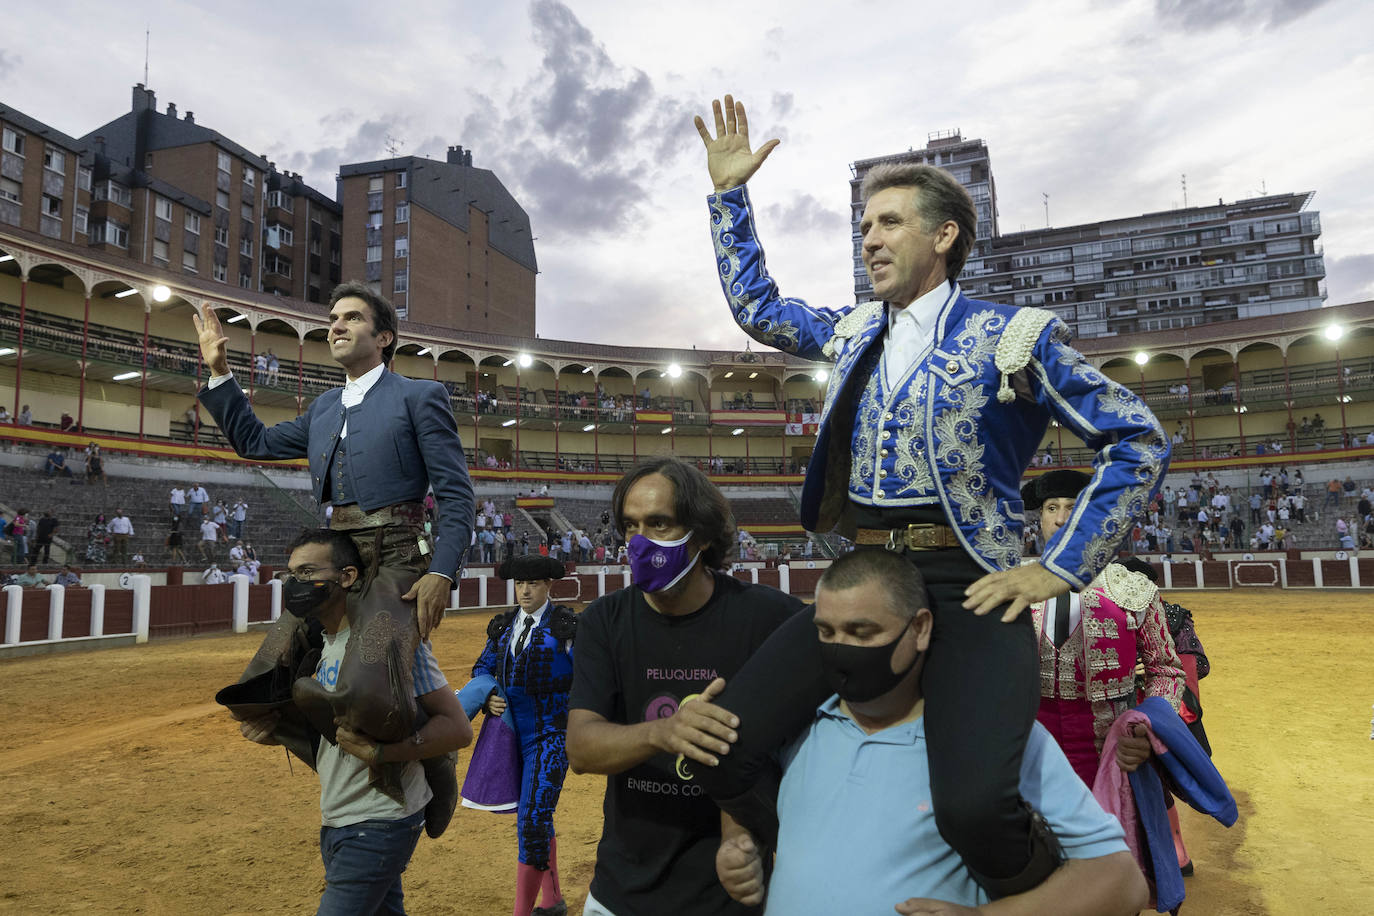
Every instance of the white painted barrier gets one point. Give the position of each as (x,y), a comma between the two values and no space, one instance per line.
(785,579)
(14,609)
(275,585)
(97,610)
(57,603)
(142,587)
(240,584)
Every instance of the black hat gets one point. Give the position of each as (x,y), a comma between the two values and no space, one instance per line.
(531,567)
(1062,484)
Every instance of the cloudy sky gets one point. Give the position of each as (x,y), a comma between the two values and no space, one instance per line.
(583,109)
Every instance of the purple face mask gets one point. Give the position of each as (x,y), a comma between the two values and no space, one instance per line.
(656,565)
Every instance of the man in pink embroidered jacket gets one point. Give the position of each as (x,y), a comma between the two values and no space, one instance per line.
(1091,642)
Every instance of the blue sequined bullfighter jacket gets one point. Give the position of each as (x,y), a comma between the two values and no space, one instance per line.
(960,427)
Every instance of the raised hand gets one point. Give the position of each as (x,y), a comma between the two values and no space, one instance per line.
(728,157)
(212,340)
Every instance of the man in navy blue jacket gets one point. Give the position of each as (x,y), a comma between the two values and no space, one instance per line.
(377,443)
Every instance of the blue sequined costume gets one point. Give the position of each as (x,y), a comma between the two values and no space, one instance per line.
(959,429)
(535,684)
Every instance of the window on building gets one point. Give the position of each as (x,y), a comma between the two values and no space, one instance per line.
(374,253)
(285,237)
(222,200)
(83,178)
(220,272)
(114,192)
(223,161)
(246,281)
(222,236)
(250,177)
(374,184)
(162,208)
(188,261)
(246,247)
(403,213)
(314,246)
(14,141)
(246,211)
(281,200)
(9,189)
(81,218)
(111,233)
(54,159)
(334,255)
(400,179)
(374,220)
(52,206)
(193,223)
(160,252)
(403,248)
(401,282)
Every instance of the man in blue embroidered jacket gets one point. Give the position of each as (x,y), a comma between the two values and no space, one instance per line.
(934,408)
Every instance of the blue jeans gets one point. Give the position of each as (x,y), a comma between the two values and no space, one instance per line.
(363,865)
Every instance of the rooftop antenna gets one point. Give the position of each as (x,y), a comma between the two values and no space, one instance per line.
(1184,179)
(393,145)
(147,37)
(1047,208)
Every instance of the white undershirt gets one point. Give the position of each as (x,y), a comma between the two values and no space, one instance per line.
(910,330)
(520,620)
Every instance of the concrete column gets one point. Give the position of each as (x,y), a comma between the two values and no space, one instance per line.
(482,592)
(785,579)
(275,585)
(1168,575)
(240,584)
(1317,572)
(1354,571)
(601,582)
(625,577)
(14,607)
(97,610)
(57,602)
(1197,565)
(754,574)
(142,587)
(1283,572)
(510,591)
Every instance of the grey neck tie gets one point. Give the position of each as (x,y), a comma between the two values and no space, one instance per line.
(1061,620)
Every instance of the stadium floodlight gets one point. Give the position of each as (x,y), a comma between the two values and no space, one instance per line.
(822,375)
(738,430)
(674,370)
(510,422)
(1334,332)
(753,375)
(1241,409)
(665,430)
(237,318)
(128,292)
(161,293)
(423,351)
(589,427)
(125,376)
(728,374)
(525,360)
(586,370)
(7,351)
(507,363)
(1141,357)
(6,257)
(1344,399)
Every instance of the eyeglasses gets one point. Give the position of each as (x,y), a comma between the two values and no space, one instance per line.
(303,574)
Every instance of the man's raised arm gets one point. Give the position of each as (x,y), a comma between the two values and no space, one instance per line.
(728,157)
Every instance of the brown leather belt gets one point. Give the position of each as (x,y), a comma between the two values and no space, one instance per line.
(352,517)
(912,537)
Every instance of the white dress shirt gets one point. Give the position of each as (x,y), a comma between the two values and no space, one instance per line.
(1052,613)
(520,621)
(910,330)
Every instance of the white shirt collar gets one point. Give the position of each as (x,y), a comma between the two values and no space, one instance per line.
(923,312)
(363,384)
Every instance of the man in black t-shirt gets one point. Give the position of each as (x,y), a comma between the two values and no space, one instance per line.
(643,653)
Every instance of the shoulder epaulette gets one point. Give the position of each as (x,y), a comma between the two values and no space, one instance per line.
(1128,589)
(852,324)
(1015,347)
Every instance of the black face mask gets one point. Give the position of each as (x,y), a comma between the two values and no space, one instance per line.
(862,673)
(303,599)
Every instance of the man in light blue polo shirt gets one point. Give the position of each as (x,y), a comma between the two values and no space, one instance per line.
(857,833)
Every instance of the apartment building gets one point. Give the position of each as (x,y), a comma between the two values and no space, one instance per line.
(444,240)
(1158,271)
(44,186)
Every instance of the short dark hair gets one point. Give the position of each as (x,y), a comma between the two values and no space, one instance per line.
(698,505)
(903,583)
(939,198)
(342,551)
(383,312)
